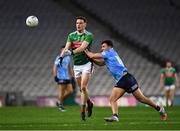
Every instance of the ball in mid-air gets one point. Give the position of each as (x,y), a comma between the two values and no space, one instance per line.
(32,21)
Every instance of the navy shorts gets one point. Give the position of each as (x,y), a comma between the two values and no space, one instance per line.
(64,81)
(128,83)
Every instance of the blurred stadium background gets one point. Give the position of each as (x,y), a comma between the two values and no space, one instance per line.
(145,33)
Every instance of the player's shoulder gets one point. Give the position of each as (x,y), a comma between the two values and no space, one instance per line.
(56,61)
(105,53)
(88,33)
(162,70)
(173,69)
(73,33)
(57,57)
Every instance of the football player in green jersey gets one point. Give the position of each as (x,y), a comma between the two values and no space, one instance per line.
(169,81)
(78,41)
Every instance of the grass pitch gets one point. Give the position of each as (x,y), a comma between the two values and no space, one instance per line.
(40,118)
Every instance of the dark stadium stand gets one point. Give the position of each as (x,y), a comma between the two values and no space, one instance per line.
(27,54)
(153,23)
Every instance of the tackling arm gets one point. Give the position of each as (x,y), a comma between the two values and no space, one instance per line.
(95,57)
(99,62)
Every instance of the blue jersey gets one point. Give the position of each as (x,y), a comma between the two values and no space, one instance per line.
(114,63)
(63,68)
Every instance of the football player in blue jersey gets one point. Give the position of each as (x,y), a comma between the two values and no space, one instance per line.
(125,82)
(63,74)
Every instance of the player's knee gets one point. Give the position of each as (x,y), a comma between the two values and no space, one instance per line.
(83,88)
(70,91)
(111,100)
(61,97)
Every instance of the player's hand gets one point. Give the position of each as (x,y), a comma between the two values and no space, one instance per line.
(56,79)
(68,52)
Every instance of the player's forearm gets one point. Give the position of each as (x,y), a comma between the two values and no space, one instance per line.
(81,48)
(54,71)
(98,62)
(78,50)
(94,55)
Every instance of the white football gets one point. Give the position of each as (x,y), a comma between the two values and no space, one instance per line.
(32,21)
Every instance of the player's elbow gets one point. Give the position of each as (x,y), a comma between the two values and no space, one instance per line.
(101,64)
(91,57)
(94,56)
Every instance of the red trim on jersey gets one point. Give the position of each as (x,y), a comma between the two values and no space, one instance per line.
(169,74)
(76,44)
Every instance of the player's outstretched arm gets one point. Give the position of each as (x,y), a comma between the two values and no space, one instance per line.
(95,57)
(99,62)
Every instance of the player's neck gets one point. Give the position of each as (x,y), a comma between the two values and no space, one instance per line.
(81,32)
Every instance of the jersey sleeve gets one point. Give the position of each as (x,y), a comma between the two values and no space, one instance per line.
(69,39)
(162,71)
(56,62)
(104,54)
(89,38)
(174,70)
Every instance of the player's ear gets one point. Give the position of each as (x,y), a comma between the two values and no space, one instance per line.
(85,24)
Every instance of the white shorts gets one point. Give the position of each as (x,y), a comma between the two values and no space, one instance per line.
(170,87)
(80,69)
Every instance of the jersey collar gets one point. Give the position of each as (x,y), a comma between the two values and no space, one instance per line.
(81,33)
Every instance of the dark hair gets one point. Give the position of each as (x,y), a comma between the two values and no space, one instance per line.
(108,42)
(167,61)
(63,46)
(82,18)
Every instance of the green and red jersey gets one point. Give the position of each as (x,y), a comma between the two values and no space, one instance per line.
(76,40)
(169,75)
